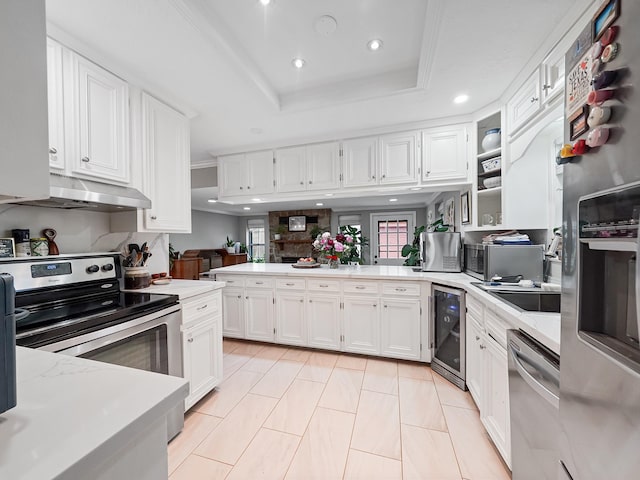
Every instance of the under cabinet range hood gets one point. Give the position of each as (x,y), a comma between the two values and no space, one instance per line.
(76,193)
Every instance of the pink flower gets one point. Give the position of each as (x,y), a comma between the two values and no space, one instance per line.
(338,246)
(349,239)
(340,237)
(330,242)
(326,235)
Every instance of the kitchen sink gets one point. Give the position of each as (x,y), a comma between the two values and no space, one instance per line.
(530,301)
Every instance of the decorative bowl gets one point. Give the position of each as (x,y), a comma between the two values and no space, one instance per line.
(492,182)
(491,139)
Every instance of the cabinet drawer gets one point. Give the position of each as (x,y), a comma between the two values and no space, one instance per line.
(319,286)
(206,305)
(361,287)
(259,282)
(291,284)
(232,280)
(401,288)
(496,327)
(475,308)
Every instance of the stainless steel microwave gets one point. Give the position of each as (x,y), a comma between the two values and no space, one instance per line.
(487,261)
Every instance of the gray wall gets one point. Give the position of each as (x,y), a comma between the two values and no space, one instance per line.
(208,230)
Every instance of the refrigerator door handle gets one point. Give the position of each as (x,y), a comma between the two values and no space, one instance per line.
(638,281)
(540,389)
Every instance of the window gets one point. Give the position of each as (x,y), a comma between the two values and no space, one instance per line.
(256,240)
(353,221)
(390,232)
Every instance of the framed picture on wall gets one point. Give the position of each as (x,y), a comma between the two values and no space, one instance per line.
(298,223)
(7,248)
(465,208)
(449,212)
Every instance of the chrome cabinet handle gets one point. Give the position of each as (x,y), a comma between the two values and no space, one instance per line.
(203,307)
(153,217)
(375,304)
(241,188)
(534,99)
(401,289)
(384,176)
(373,177)
(190,340)
(310,182)
(247,297)
(289,284)
(52,151)
(546,87)
(85,159)
(360,287)
(386,306)
(301,301)
(477,337)
(482,347)
(248,187)
(310,301)
(259,283)
(323,286)
(239,296)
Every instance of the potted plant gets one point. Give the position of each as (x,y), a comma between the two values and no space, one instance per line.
(280,229)
(412,251)
(230,245)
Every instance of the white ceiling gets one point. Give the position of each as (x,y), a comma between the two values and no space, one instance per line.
(227,63)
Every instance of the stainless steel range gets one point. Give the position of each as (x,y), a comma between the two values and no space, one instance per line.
(73,305)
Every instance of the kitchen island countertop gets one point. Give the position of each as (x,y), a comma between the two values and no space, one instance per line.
(182,288)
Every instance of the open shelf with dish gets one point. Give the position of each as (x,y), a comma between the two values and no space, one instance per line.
(488,179)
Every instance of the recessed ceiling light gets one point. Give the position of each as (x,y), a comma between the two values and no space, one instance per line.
(461,98)
(265,2)
(298,63)
(416,188)
(212,200)
(247,208)
(319,204)
(393,199)
(256,200)
(375,44)
(328,194)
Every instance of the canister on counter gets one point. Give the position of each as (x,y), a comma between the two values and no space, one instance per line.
(39,247)
(21,239)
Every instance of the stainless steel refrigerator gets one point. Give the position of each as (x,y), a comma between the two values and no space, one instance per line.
(600,354)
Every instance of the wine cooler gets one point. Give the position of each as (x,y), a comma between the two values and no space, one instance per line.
(448,334)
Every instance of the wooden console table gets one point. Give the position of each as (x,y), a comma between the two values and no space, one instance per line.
(187,268)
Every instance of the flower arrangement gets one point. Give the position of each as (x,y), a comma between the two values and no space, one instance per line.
(333,248)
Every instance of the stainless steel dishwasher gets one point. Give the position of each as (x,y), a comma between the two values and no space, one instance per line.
(534,389)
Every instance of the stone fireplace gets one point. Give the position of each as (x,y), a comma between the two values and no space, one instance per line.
(293,245)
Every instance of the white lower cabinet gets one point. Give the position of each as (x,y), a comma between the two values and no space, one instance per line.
(259,314)
(400,326)
(323,321)
(361,325)
(475,358)
(291,324)
(233,312)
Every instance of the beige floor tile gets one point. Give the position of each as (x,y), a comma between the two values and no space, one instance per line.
(267,457)
(229,345)
(323,451)
(277,380)
(232,362)
(264,359)
(343,390)
(419,371)
(200,468)
(419,404)
(319,366)
(381,376)
(230,438)
(297,355)
(352,361)
(476,455)
(295,408)
(248,348)
(451,395)
(365,466)
(428,455)
(225,397)
(377,427)
(196,427)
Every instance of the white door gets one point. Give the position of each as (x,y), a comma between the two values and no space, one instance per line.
(167,164)
(323,321)
(291,169)
(233,312)
(202,359)
(323,166)
(389,233)
(55,96)
(475,344)
(103,107)
(259,314)
(361,325)
(259,172)
(290,319)
(400,321)
(444,154)
(359,160)
(399,158)
(233,175)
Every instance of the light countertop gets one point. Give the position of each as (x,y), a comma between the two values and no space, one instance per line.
(544,327)
(182,288)
(72,411)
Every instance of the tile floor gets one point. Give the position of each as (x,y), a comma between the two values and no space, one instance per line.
(289,413)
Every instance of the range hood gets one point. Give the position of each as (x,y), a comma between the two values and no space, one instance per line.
(76,193)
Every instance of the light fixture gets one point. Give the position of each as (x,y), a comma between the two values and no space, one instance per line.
(393,199)
(319,204)
(374,45)
(298,63)
(415,189)
(256,200)
(265,2)
(328,194)
(247,208)
(212,200)
(461,99)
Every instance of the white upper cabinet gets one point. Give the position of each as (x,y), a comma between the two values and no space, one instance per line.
(167,167)
(246,174)
(359,162)
(398,158)
(525,103)
(291,168)
(55,95)
(553,75)
(102,147)
(444,154)
(323,166)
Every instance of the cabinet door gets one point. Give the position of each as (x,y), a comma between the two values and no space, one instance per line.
(495,414)
(291,169)
(259,171)
(398,157)
(232,176)
(323,166)
(233,312)
(103,108)
(525,103)
(323,321)
(361,325)
(290,319)
(444,154)
(259,314)
(167,167)
(400,320)
(202,359)
(475,345)
(553,75)
(359,160)
(55,103)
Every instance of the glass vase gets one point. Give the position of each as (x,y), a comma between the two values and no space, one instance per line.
(334,263)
